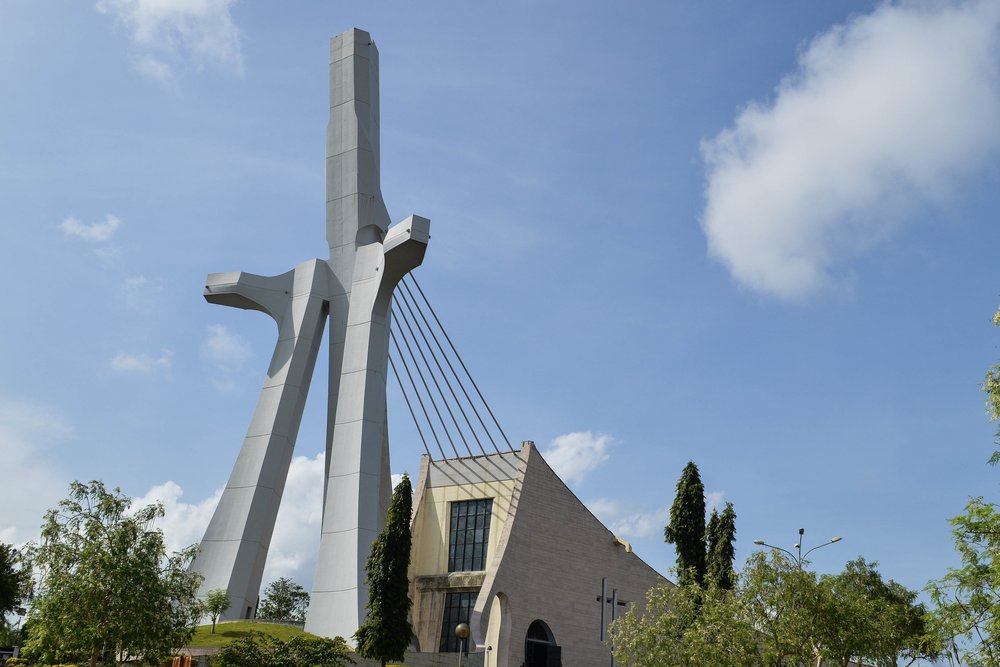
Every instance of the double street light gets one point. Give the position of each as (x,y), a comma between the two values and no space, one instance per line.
(798,556)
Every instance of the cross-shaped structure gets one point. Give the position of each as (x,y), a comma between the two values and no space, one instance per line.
(354,290)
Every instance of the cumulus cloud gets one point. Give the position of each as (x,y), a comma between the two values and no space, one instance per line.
(165,32)
(223,348)
(142,364)
(183,524)
(31,483)
(139,293)
(573,455)
(226,352)
(629,522)
(713,500)
(95,232)
(295,543)
(884,114)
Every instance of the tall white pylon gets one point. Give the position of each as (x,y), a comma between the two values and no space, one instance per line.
(354,288)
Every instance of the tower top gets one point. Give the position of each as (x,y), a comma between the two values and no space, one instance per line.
(355,211)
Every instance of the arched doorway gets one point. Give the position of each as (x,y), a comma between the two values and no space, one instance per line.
(540,648)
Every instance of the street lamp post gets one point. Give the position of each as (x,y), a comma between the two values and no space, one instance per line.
(798,556)
(462,632)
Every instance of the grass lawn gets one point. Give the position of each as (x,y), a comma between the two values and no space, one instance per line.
(227,632)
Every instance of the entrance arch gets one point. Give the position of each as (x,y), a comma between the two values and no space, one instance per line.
(540,648)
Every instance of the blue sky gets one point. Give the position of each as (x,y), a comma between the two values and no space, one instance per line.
(760,237)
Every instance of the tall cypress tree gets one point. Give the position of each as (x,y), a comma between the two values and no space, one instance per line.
(720,550)
(686,530)
(386,632)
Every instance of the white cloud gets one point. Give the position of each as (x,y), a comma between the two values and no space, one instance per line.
(628,522)
(31,484)
(97,232)
(155,69)
(223,348)
(142,364)
(295,542)
(202,30)
(138,292)
(227,352)
(574,455)
(713,500)
(884,114)
(183,524)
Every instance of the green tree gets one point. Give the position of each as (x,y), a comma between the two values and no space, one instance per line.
(720,552)
(778,615)
(386,632)
(15,580)
(991,385)
(257,649)
(686,530)
(874,622)
(967,599)
(216,603)
(685,626)
(284,600)
(107,588)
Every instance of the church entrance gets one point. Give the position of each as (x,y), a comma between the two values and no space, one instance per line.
(540,648)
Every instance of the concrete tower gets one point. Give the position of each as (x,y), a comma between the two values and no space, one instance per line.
(354,288)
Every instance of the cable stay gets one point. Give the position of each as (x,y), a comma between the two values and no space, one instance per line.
(430,376)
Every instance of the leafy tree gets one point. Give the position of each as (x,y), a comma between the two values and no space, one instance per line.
(720,553)
(257,649)
(683,626)
(107,588)
(386,631)
(874,622)
(686,530)
(15,580)
(778,615)
(284,600)
(991,385)
(967,599)
(216,603)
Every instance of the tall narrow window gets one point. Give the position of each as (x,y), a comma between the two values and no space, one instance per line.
(469,535)
(457,608)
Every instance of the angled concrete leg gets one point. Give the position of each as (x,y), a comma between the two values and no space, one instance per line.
(357,457)
(234,549)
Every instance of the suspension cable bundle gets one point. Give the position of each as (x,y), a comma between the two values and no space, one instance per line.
(430,376)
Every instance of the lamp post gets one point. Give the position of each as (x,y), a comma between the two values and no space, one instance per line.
(798,556)
(462,632)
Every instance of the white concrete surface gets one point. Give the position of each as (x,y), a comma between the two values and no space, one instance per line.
(354,287)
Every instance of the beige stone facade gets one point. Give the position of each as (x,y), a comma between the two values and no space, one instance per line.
(542,574)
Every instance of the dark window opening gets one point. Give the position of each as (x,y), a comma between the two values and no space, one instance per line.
(457,609)
(469,535)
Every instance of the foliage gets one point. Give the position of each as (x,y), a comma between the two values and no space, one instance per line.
(967,599)
(262,650)
(386,632)
(685,626)
(720,553)
(991,385)
(216,603)
(237,629)
(778,615)
(284,600)
(15,580)
(107,588)
(873,619)
(686,530)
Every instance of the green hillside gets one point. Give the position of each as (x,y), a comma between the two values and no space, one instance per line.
(227,632)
